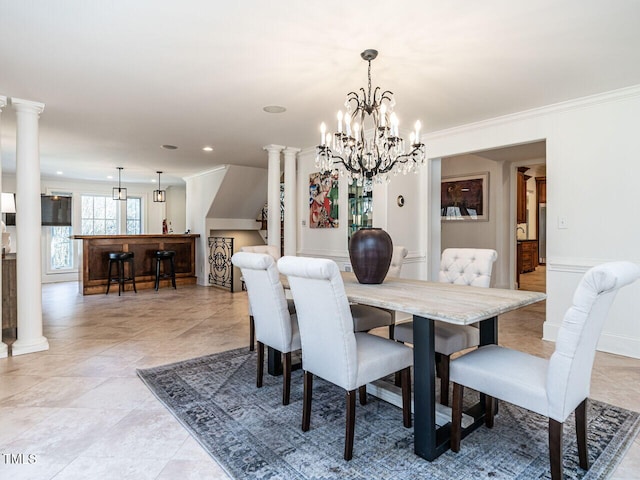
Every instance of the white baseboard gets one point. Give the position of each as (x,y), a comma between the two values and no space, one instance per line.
(617,344)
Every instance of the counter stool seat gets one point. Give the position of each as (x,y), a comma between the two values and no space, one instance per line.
(119,259)
(161,255)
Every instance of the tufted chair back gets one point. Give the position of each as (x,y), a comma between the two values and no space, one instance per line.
(399,254)
(467,266)
(266,298)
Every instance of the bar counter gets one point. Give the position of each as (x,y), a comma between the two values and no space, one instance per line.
(94,251)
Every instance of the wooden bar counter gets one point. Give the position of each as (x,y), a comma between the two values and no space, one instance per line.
(94,252)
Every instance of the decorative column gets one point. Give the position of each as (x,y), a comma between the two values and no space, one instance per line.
(4,351)
(28,229)
(290,210)
(273,195)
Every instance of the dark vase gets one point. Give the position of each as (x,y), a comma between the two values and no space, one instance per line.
(370,251)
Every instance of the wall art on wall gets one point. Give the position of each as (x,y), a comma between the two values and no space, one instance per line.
(323,200)
(465,197)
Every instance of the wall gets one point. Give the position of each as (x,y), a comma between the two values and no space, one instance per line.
(592,146)
(474,234)
(234,194)
(176,208)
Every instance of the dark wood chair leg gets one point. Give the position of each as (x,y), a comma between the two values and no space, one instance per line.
(252,333)
(489,410)
(555,449)
(362,394)
(157,284)
(286,378)
(581,431)
(173,272)
(456,417)
(405,375)
(307,385)
(132,271)
(260,364)
(109,281)
(351,425)
(444,379)
(392,331)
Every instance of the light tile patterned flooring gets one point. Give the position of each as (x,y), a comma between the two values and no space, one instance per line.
(81,410)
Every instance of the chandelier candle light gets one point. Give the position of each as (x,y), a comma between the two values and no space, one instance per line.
(369,147)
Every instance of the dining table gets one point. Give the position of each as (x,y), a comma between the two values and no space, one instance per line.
(431,302)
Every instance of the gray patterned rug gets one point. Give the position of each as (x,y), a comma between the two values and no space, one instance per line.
(250,433)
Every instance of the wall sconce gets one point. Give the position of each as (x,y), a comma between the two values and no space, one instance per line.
(119,193)
(159,195)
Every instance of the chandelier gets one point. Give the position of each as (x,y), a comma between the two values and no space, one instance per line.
(369,148)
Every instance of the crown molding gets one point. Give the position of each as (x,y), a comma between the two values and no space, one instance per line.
(575,104)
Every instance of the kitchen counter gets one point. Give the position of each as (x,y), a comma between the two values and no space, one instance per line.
(94,253)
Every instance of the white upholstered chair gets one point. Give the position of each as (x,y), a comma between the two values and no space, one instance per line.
(460,266)
(275,253)
(330,347)
(366,317)
(275,326)
(555,387)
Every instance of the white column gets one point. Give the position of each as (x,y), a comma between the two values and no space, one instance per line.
(28,229)
(273,195)
(3,346)
(290,210)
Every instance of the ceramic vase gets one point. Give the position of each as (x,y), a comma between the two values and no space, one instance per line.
(370,251)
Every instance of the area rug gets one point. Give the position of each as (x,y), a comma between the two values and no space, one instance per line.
(253,436)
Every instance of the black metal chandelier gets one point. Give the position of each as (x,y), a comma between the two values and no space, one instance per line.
(370,147)
(119,193)
(159,195)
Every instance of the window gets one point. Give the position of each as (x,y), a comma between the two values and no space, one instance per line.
(134,218)
(61,248)
(99,215)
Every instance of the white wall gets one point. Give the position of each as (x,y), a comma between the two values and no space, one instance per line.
(176,208)
(592,167)
(215,192)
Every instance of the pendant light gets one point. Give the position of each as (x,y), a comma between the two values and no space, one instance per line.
(119,193)
(159,195)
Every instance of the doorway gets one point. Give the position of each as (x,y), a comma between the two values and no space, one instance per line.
(531,226)
(499,230)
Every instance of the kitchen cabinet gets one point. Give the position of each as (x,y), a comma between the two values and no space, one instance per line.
(521,195)
(527,256)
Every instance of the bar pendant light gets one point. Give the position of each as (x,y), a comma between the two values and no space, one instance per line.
(119,193)
(159,195)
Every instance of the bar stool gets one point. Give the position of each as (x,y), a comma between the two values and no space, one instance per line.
(165,255)
(119,259)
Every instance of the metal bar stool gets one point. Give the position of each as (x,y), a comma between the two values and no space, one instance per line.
(119,259)
(165,255)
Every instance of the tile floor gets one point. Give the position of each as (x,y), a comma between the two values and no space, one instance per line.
(80,411)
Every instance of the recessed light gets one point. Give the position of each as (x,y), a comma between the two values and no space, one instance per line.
(59,172)
(169,147)
(274,109)
(153,180)
(207,149)
(110,177)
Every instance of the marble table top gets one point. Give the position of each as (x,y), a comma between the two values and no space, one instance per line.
(458,304)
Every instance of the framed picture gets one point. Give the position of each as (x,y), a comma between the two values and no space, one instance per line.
(465,198)
(323,200)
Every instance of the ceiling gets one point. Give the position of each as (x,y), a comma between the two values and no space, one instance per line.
(121,78)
